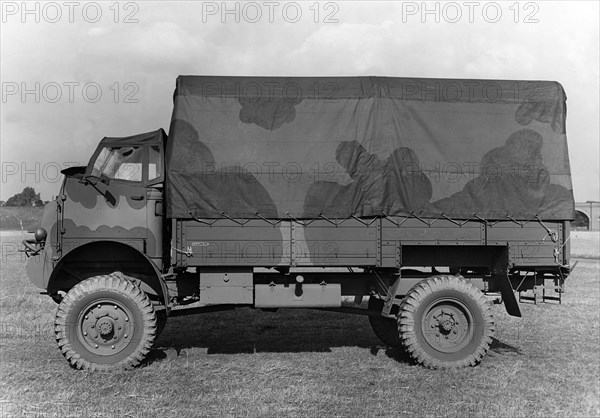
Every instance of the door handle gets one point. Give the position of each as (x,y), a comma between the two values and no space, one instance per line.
(137,197)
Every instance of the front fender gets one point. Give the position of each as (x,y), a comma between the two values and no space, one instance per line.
(105,257)
(39,267)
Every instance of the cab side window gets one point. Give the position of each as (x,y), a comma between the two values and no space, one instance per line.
(120,163)
(155,168)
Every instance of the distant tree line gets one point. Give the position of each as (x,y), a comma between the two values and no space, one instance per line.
(580,221)
(28,197)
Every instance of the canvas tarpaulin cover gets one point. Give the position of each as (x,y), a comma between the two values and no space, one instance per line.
(301,147)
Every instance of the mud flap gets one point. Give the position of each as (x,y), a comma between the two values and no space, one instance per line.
(500,275)
(508,296)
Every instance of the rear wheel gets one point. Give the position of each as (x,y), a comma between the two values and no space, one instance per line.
(105,323)
(445,322)
(386,329)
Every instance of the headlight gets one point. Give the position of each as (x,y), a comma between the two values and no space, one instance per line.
(40,235)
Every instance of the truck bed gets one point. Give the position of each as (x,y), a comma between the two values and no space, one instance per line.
(383,242)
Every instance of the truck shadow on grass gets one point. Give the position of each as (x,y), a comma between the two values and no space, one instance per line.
(500,347)
(246,331)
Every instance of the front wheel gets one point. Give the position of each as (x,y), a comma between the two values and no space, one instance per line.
(105,323)
(445,322)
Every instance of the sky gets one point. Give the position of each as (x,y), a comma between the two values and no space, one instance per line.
(75,72)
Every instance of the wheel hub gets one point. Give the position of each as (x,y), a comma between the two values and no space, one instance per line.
(447,326)
(105,327)
(445,322)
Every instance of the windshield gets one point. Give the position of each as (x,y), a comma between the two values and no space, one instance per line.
(120,163)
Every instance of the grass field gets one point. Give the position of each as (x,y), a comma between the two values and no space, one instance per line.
(20,218)
(306,363)
(585,244)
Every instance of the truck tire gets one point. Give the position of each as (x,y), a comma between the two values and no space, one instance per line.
(445,322)
(105,323)
(386,329)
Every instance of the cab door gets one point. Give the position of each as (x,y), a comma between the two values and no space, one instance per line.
(116,199)
(155,204)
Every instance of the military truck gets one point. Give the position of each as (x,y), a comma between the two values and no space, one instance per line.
(415,202)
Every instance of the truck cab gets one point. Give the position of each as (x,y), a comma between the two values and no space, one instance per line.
(108,215)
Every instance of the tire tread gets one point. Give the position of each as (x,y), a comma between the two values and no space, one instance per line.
(118,283)
(406,321)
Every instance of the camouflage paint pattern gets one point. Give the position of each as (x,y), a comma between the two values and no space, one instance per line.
(93,210)
(88,215)
(285,148)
